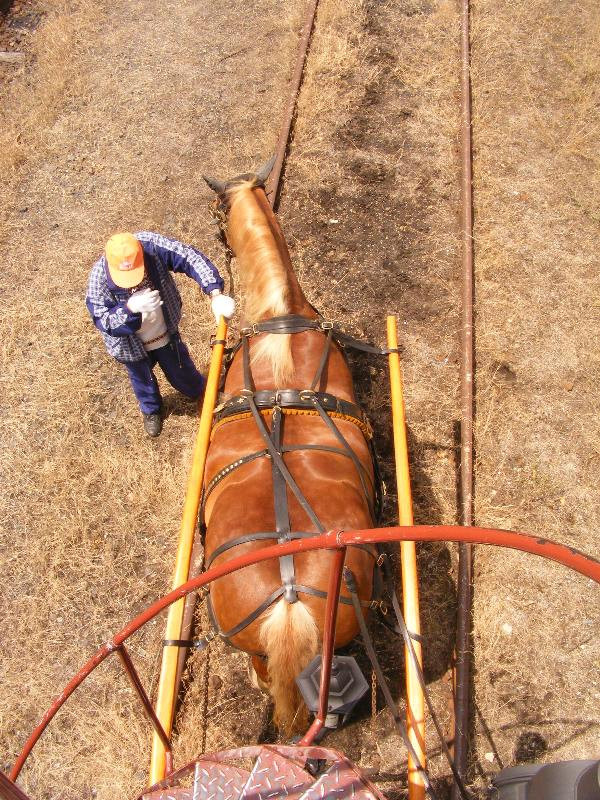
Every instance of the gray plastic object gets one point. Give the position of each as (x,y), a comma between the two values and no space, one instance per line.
(346,687)
(565,780)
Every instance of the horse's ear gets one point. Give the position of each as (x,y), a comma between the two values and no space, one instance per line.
(217,186)
(264,172)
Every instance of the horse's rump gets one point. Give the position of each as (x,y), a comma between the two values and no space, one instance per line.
(242,503)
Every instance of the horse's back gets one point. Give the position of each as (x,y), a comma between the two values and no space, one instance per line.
(243,503)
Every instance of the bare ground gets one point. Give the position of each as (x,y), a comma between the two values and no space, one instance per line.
(110,122)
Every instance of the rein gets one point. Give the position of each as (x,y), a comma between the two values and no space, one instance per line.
(277,404)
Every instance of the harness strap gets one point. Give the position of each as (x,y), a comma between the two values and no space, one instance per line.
(196,644)
(347,601)
(229,468)
(350,452)
(345,340)
(262,535)
(408,639)
(222,473)
(253,537)
(278,460)
(248,620)
(289,398)
(328,449)
(324,357)
(248,382)
(294,323)
(288,323)
(225,635)
(282,516)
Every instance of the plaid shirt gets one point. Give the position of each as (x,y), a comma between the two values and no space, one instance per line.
(107,303)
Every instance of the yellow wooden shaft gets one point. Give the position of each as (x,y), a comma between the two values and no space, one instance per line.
(165,701)
(415,702)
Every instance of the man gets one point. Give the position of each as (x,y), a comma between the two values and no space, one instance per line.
(135,304)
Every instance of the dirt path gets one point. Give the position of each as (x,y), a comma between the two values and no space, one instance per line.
(111,120)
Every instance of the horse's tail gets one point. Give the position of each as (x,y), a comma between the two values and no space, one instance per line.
(289,636)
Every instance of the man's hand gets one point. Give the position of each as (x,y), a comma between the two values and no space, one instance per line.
(144,302)
(222,306)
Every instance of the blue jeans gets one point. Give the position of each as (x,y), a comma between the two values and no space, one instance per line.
(174,360)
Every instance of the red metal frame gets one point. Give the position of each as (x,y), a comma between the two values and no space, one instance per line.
(133,676)
(333,595)
(336,540)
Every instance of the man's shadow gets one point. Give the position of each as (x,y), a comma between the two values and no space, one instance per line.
(178,405)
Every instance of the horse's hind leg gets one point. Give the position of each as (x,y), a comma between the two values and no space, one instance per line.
(257,669)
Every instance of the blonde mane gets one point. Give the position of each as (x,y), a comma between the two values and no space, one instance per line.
(264,276)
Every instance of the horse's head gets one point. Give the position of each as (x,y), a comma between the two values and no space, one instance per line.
(223,188)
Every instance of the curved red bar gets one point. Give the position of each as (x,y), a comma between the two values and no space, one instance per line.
(569,556)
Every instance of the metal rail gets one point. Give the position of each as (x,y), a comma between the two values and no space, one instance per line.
(333,540)
(333,595)
(465,555)
(272,185)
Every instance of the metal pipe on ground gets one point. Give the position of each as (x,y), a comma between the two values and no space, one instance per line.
(465,558)
(272,185)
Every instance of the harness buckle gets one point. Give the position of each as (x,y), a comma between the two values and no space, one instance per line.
(250,330)
(327,325)
(246,393)
(306,394)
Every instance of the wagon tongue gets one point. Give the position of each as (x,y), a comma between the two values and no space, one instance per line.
(277,771)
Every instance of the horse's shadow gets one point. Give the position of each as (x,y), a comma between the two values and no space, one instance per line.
(437,594)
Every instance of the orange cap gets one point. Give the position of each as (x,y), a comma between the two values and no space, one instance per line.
(125,259)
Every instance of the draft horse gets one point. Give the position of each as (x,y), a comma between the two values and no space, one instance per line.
(290,456)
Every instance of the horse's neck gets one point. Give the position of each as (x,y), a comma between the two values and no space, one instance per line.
(270,286)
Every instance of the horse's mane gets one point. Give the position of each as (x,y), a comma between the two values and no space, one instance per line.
(263,273)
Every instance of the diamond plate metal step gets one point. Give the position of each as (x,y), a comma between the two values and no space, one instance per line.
(340,781)
(274,776)
(277,774)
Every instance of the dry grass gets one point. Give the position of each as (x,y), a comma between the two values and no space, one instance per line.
(536,124)
(109,124)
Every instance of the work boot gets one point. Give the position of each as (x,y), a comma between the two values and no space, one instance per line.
(153,424)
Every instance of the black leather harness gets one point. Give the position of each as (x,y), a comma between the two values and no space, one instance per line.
(326,406)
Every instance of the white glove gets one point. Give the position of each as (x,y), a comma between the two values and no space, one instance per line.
(222,306)
(144,302)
